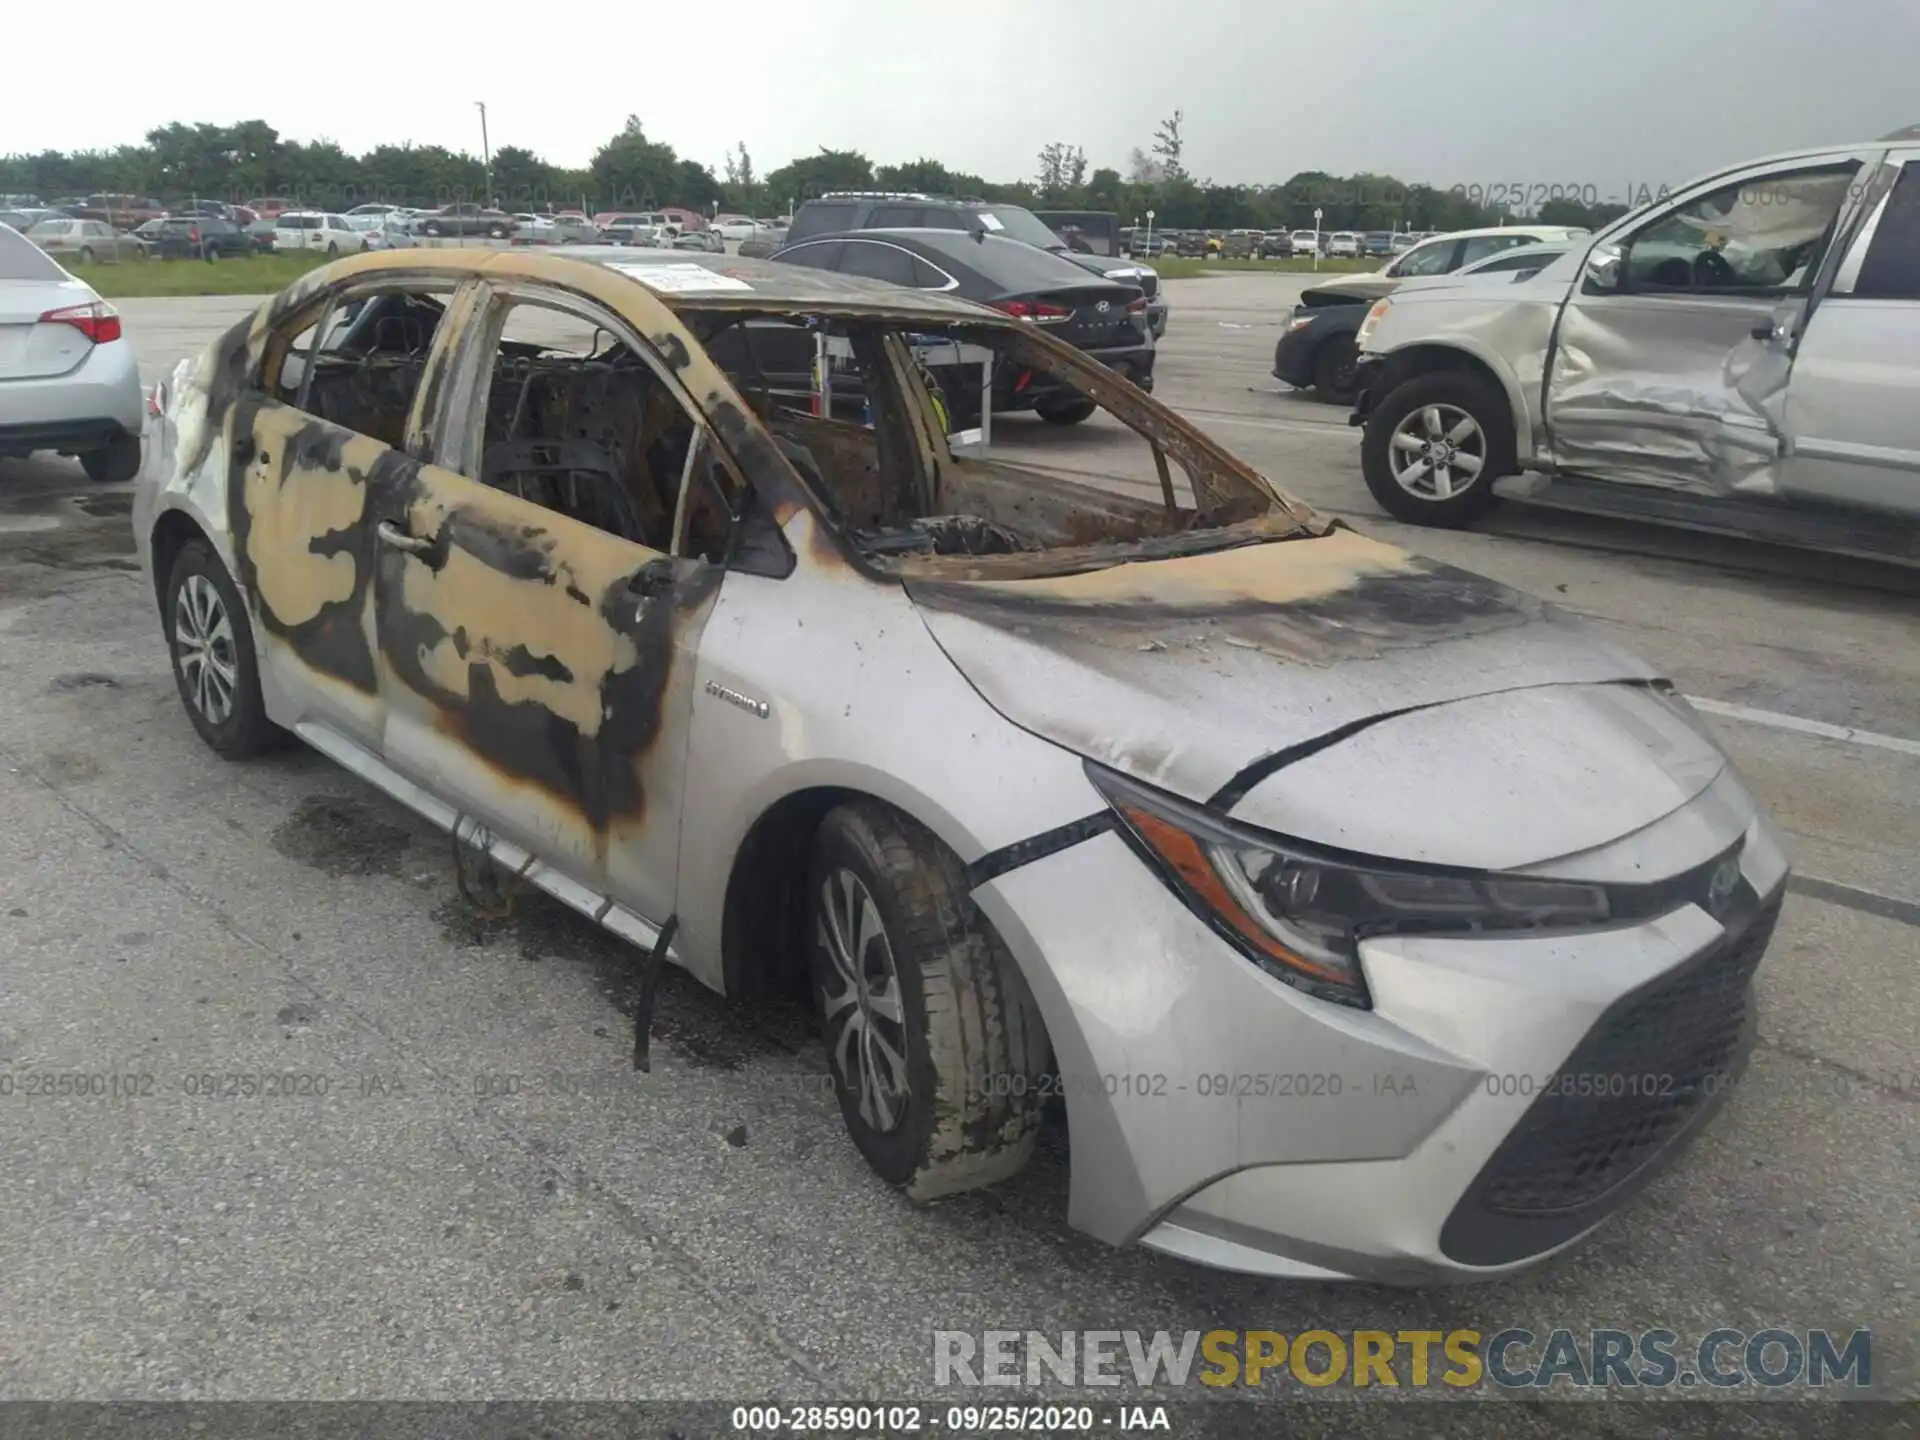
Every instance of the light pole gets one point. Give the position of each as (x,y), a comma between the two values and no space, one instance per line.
(486,153)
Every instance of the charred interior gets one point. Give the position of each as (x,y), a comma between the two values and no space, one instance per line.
(593,433)
(881,461)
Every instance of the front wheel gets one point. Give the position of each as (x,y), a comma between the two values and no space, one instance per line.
(432,227)
(935,1045)
(214,666)
(1069,413)
(1433,447)
(86,255)
(497,232)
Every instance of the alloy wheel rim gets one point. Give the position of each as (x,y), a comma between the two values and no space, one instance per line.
(862,1009)
(204,649)
(1437,452)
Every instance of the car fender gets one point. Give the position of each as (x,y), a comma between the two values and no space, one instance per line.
(1440,351)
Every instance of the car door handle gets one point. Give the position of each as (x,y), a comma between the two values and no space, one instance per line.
(392,534)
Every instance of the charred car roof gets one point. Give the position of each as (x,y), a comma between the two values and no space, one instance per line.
(731,282)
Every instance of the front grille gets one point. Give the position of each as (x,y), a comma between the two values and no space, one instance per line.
(1632,1085)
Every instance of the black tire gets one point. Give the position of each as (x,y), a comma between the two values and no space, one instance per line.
(1333,370)
(432,227)
(496,232)
(975,1049)
(114,463)
(1458,390)
(333,248)
(244,731)
(86,255)
(1070,412)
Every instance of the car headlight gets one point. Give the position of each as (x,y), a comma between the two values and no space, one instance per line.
(1300,911)
(1368,325)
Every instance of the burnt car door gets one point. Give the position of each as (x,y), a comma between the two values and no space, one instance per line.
(537,631)
(1648,381)
(330,417)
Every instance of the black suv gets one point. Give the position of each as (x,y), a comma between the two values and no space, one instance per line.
(885,210)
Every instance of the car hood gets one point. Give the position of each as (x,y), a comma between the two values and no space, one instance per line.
(1360,290)
(1192,673)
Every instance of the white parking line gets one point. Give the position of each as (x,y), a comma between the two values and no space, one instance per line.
(1250,422)
(1777,721)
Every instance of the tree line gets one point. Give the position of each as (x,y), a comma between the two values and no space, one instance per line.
(632,172)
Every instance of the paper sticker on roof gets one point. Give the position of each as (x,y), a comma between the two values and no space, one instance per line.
(682,278)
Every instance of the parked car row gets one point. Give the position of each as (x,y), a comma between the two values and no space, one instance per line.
(1270,244)
(374,225)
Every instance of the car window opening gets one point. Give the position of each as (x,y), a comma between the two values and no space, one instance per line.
(1036,487)
(360,365)
(579,423)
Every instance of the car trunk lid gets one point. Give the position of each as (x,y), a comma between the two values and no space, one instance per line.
(30,350)
(1187,672)
(1088,316)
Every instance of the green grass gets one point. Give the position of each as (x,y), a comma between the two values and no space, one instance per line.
(1169,267)
(255,275)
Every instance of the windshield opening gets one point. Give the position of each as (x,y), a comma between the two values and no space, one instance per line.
(979,451)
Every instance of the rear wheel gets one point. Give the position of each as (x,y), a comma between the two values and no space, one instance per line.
(934,1043)
(333,248)
(1067,412)
(497,232)
(115,463)
(1434,446)
(86,255)
(214,666)
(432,227)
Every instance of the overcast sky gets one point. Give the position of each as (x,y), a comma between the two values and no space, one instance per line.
(1614,93)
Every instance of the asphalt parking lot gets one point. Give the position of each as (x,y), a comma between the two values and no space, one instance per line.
(706,1231)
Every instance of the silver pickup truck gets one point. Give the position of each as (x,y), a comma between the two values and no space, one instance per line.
(1742,356)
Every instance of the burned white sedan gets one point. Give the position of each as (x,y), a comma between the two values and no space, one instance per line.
(1371,919)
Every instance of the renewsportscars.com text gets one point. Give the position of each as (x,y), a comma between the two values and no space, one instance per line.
(1512,1358)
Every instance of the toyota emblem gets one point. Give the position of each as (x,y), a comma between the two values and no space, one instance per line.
(1721,886)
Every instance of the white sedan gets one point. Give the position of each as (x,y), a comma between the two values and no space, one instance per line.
(312,230)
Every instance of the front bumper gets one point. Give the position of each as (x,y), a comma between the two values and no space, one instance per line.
(1157,310)
(1293,356)
(1219,1115)
(1367,373)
